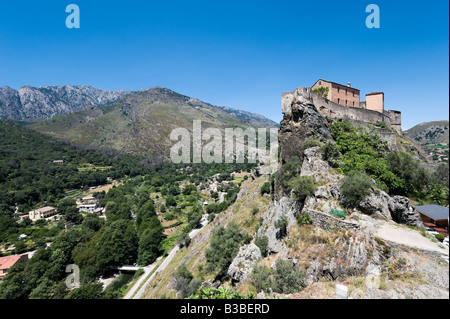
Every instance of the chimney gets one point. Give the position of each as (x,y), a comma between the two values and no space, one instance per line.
(348,84)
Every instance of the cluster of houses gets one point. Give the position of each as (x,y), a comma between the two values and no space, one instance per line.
(86,204)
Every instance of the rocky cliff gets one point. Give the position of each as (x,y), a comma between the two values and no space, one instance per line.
(39,103)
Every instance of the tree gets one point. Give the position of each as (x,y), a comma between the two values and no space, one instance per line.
(224,246)
(441,175)
(170,201)
(149,246)
(117,245)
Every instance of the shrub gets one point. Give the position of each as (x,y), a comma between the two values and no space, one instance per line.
(255,210)
(331,154)
(302,187)
(439,237)
(286,172)
(265,189)
(311,142)
(262,243)
(355,187)
(260,277)
(287,278)
(304,219)
(282,224)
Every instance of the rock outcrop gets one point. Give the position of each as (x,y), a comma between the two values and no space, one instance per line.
(301,120)
(243,263)
(403,212)
(279,209)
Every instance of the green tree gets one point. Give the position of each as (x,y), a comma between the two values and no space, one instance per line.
(149,246)
(117,245)
(224,246)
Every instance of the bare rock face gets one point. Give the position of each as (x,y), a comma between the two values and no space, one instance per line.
(37,103)
(301,120)
(279,209)
(327,195)
(353,257)
(243,263)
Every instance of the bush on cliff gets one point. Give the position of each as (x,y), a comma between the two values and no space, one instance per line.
(355,187)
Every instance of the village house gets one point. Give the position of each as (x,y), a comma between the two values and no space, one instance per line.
(41,213)
(87,208)
(9,261)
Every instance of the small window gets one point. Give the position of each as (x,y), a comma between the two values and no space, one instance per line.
(320,82)
(338,89)
(345,102)
(339,101)
(345,91)
(353,93)
(353,103)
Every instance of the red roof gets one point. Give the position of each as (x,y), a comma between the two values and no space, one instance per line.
(8,261)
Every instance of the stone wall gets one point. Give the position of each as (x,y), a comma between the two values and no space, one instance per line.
(332,111)
(329,222)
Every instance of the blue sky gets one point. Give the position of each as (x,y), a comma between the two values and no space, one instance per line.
(242,54)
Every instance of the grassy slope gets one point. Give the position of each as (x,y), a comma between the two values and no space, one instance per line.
(194,255)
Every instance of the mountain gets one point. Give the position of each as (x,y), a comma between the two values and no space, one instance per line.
(30,104)
(434,138)
(430,132)
(141,122)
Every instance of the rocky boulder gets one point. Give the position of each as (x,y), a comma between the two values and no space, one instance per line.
(403,212)
(243,263)
(376,205)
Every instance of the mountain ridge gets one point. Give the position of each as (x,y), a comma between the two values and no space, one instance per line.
(141,122)
(29,104)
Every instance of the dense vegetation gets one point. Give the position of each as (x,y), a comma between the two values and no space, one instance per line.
(131,233)
(28,175)
(359,151)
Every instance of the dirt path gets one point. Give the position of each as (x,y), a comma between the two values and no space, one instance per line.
(408,237)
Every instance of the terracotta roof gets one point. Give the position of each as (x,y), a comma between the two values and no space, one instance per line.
(8,261)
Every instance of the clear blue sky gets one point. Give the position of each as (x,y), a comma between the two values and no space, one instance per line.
(242,54)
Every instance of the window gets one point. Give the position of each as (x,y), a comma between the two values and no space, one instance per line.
(353,93)
(320,82)
(345,102)
(339,101)
(338,89)
(353,103)
(345,91)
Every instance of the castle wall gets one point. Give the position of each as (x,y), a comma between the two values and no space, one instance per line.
(331,110)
